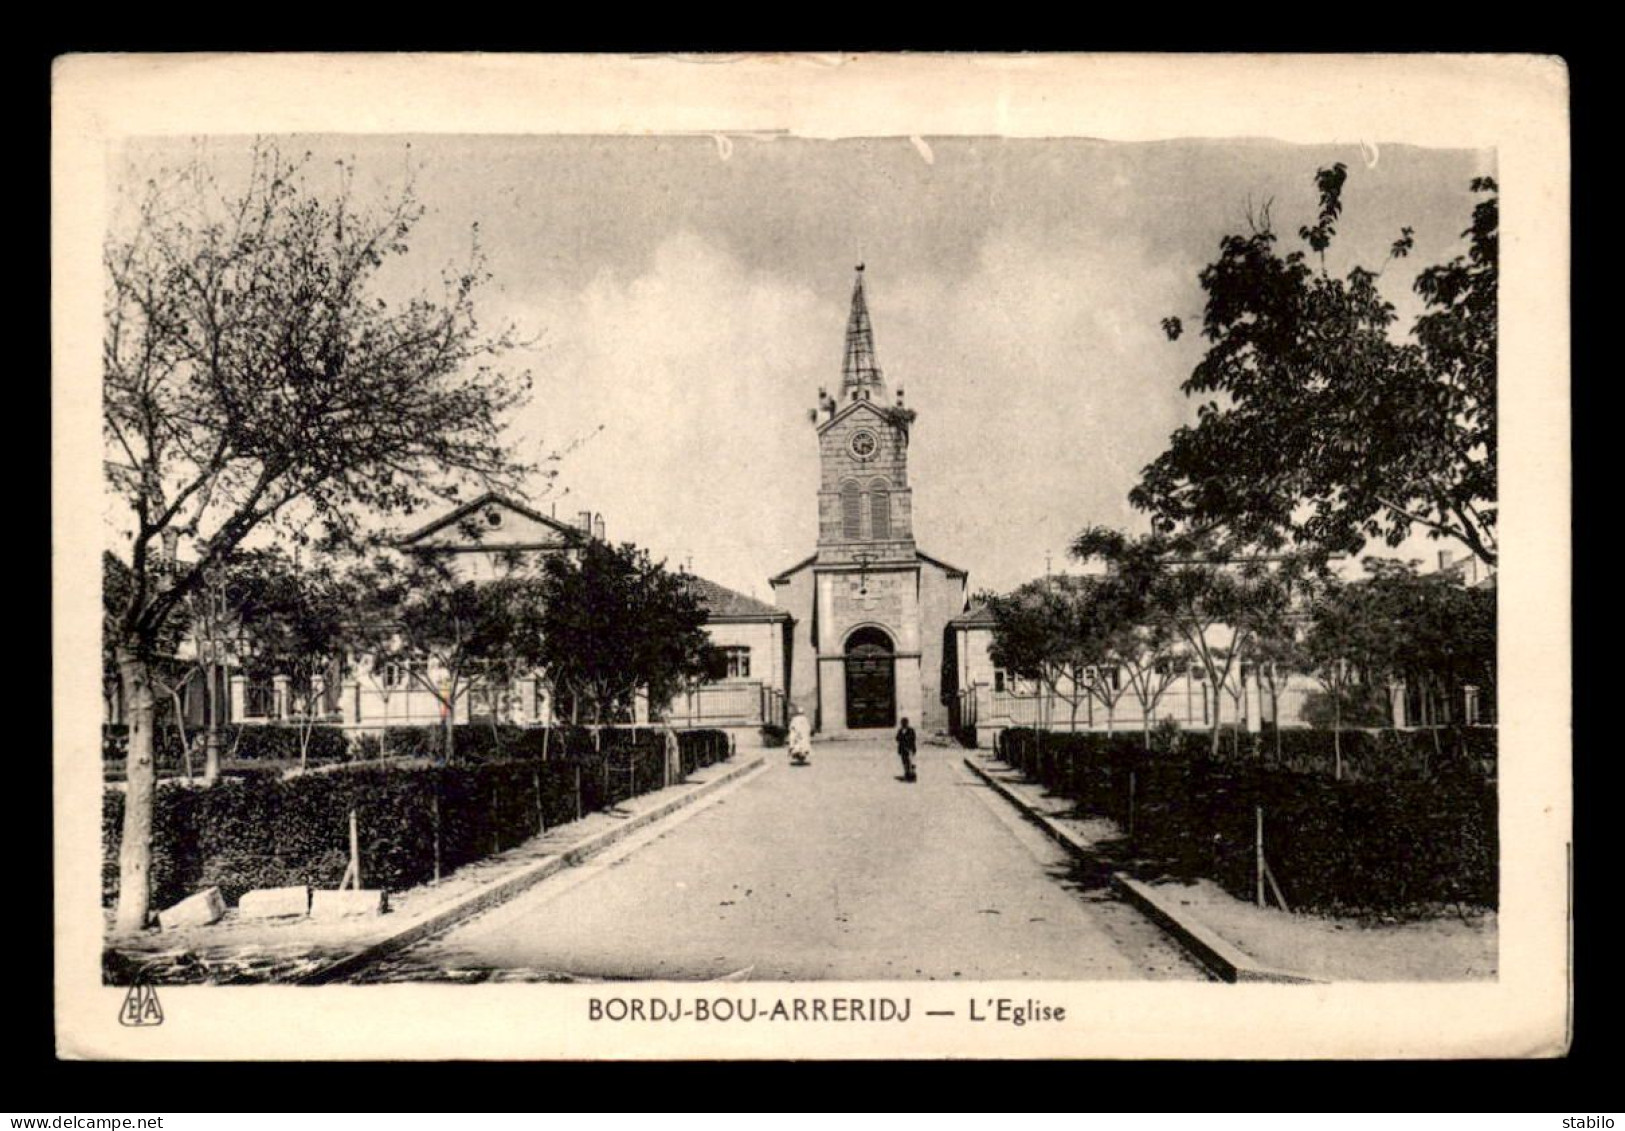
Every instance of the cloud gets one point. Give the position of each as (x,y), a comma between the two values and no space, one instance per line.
(701,372)
(1038,400)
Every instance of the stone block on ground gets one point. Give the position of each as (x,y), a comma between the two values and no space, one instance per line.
(196,910)
(347,903)
(274,903)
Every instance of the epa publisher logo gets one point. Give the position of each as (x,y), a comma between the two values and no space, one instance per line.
(141,1007)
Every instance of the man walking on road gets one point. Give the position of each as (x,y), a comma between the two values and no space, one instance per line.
(905,749)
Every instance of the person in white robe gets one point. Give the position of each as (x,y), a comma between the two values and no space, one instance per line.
(800,735)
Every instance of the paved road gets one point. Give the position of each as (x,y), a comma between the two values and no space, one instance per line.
(838,870)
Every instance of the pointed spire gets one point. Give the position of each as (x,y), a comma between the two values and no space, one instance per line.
(860,370)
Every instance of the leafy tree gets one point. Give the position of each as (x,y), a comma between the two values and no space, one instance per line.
(295,623)
(447,634)
(1213,597)
(1318,426)
(1348,644)
(1046,631)
(254,378)
(616,623)
(170,672)
(1440,634)
(1429,631)
(1144,644)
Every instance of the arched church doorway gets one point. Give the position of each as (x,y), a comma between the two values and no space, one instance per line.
(871,680)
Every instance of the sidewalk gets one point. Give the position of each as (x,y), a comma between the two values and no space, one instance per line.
(234,951)
(1240,941)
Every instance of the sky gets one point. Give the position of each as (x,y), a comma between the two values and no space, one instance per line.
(683,298)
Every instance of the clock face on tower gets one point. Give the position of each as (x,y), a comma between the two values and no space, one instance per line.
(863,444)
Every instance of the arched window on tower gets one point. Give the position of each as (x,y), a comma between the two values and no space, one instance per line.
(879,510)
(851,511)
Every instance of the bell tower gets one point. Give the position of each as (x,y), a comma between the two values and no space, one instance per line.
(869,609)
(865,504)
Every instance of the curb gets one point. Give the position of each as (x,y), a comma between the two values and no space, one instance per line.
(504,890)
(1208,948)
(1065,837)
(1222,959)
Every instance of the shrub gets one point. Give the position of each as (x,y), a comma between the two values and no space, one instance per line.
(259,742)
(273,742)
(1405,828)
(1362,707)
(166,744)
(700,748)
(774,736)
(258,829)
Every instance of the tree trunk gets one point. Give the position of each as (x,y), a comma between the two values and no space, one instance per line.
(448,731)
(1433,720)
(180,731)
(1275,720)
(140,786)
(211,736)
(1337,735)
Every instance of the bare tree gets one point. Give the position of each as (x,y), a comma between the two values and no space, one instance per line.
(254,377)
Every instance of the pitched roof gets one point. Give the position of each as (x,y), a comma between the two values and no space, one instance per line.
(919,555)
(925,557)
(778,578)
(722,603)
(489,497)
(981,615)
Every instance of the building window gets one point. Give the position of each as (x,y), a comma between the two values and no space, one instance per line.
(405,673)
(879,511)
(259,699)
(732,661)
(998,679)
(484,703)
(851,512)
(1107,678)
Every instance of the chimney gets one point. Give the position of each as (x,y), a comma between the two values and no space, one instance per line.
(598,527)
(1444,560)
(584,521)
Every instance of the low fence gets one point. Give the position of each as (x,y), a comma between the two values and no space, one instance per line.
(417,822)
(1189,703)
(255,747)
(1406,831)
(729,705)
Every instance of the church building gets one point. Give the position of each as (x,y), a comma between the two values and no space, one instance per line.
(870,610)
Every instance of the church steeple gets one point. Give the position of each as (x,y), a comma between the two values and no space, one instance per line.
(860,373)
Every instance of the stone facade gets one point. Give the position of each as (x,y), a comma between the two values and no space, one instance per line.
(870,611)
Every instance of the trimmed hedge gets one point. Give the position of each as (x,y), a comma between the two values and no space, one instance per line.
(261,830)
(1407,832)
(479,742)
(1367,755)
(166,744)
(261,742)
